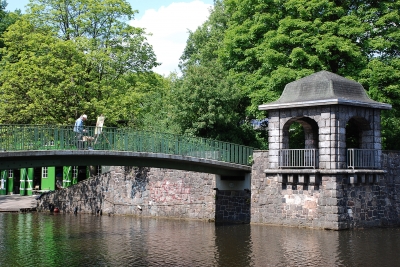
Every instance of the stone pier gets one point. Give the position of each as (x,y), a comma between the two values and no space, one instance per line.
(334,201)
(336,179)
(155,192)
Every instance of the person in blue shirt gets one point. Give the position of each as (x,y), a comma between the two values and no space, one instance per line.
(79,129)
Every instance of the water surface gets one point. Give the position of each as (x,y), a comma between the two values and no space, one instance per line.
(40,239)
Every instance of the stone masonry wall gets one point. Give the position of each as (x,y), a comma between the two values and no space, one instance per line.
(336,201)
(232,206)
(153,192)
(291,205)
(140,191)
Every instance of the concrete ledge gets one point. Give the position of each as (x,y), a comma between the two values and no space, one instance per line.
(17,203)
(324,171)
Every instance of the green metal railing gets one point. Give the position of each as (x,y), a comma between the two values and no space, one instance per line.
(41,137)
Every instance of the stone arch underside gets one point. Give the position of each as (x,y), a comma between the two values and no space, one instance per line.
(310,127)
(359,128)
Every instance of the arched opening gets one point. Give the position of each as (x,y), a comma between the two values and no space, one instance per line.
(360,144)
(356,129)
(300,133)
(299,143)
(296,136)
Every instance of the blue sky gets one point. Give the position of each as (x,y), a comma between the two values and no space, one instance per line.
(167,20)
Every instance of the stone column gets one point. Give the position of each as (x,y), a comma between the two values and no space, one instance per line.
(274,139)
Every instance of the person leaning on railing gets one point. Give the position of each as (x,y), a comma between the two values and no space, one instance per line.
(79,129)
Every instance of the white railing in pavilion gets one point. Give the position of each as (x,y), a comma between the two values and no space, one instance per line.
(298,158)
(362,158)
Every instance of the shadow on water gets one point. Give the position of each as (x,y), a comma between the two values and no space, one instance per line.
(233,244)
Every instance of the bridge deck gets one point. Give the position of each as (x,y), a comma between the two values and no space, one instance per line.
(40,145)
(31,159)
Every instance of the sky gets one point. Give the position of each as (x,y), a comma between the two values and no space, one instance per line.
(167,20)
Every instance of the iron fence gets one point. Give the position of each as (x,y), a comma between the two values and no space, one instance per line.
(298,158)
(41,137)
(362,158)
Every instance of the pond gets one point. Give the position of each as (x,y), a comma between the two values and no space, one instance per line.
(41,239)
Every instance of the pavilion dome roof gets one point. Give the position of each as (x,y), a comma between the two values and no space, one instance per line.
(323,88)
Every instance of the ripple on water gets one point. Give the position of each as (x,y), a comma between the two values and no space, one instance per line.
(85,240)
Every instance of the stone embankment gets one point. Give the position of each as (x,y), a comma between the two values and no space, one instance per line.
(339,201)
(140,191)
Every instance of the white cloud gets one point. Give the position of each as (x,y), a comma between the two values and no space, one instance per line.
(169,28)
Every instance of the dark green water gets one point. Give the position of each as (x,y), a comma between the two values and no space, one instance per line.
(84,240)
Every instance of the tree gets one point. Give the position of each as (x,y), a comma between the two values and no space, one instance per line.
(42,78)
(209,104)
(269,44)
(6,19)
(69,57)
(266,44)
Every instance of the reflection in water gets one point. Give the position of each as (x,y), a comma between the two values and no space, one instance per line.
(233,245)
(68,240)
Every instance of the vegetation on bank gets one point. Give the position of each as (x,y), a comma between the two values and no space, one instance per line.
(63,58)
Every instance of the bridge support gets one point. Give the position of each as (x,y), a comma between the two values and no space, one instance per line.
(67,176)
(26,181)
(232,199)
(3,182)
(10,181)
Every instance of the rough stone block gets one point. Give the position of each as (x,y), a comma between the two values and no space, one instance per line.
(325,158)
(273,153)
(377,178)
(284,178)
(370,178)
(291,178)
(352,178)
(274,146)
(325,144)
(326,115)
(273,119)
(362,178)
(313,178)
(302,178)
(326,130)
(275,132)
(331,186)
(325,151)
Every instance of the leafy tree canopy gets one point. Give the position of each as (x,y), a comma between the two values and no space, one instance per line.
(65,58)
(6,19)
(264,44)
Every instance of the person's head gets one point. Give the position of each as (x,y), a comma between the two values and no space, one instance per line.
(84,117)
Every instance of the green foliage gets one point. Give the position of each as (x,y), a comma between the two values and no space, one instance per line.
(261,45)
(273,43)
(207,104)
(296,136)
(6,19)
(42,77)
(65,58)
(381,78)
